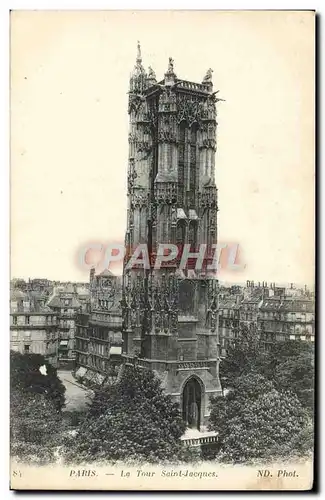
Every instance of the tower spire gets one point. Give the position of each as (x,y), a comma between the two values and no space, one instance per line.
(139,57)
(138,75)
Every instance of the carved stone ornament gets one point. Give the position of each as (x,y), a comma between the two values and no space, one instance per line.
(192,110)
(167,101)
(212,311)
(165,304)
(167,129)
(165,193)
(143,146)
(209,143)
(132,138)
(132,175)
(167,136)
(139,198)
(208,198)
(213,224)
(135,102)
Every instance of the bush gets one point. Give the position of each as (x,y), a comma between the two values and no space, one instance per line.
(244,356)
(35,429)
(132,419)
(289,365)
(257,421)
(25,375)
(297,375)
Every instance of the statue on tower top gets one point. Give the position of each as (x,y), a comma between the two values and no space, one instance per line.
(151,73)
(170,65)
(139,58)
(151,78)
(208,76)
(170,76)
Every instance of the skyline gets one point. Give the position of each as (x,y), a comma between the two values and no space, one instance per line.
(287,285)
(69,117)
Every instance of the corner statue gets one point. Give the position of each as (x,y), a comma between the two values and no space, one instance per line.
(208,76)
(171,65)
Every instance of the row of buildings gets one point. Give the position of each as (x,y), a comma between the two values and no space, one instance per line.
(42,319)
(77,324)
(277,313)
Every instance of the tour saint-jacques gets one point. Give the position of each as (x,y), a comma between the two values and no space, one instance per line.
(168,323)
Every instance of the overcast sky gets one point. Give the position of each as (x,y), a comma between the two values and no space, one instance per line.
(69,131)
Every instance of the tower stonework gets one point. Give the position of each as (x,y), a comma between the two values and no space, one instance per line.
(170,317)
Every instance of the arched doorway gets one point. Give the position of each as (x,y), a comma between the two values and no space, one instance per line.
(192,396)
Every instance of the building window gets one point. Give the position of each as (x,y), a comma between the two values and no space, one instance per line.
(14,320)
(26,348)
(27,320)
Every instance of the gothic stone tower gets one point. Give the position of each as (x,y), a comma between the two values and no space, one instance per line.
(170,318)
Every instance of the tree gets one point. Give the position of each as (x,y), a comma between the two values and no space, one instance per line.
(131,420)
(281,351)
(297,375)
(25,375)
(245,355)
(35,427)
(289,364)
(255,421)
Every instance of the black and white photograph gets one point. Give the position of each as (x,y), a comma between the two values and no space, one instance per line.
(162,286)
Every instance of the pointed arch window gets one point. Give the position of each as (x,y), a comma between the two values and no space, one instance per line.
(192,234)
(180,232)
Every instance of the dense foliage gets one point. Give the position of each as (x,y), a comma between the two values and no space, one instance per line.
(244,355)
(132,419)
(291,367)
(25,375)
(289,364)
(268,410)
(255,420)
(36,427)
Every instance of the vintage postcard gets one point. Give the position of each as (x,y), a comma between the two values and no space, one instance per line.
(162,300)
